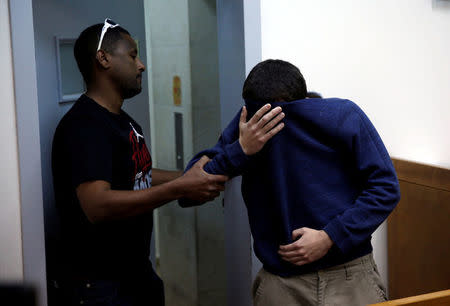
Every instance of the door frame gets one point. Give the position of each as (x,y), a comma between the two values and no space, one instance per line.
(27,118)
(239,39)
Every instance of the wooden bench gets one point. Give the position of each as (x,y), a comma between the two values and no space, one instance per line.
(439,298)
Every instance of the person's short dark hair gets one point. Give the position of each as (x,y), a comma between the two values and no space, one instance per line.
(313,94)
(85,48)
(274,80)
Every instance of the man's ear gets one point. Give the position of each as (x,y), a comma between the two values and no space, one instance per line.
(103,59)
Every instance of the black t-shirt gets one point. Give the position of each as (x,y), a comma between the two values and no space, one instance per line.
(91,143)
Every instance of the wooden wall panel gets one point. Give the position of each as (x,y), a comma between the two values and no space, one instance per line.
(419,231)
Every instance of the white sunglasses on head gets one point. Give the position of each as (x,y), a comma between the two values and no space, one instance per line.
(108,24)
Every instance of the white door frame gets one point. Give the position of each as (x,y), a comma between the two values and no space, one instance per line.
(27,118)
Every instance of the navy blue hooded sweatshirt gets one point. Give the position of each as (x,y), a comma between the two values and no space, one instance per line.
(327,169)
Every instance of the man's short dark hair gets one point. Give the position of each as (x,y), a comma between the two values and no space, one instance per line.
(274,80)
(86,47)
(313,94)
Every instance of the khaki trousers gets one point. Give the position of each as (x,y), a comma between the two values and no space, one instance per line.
(356,282)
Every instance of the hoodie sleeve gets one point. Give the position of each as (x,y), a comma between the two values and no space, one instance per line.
(227,156)
(380,191)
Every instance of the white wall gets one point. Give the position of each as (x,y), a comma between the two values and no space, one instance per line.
(390,57)
(11,260)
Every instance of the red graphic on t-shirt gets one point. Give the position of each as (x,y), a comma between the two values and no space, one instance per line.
(142,160)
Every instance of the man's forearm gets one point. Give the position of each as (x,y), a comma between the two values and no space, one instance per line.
(105,204)
(100,203)
(160,176)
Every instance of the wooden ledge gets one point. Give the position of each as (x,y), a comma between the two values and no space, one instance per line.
(421,174)
(439,298)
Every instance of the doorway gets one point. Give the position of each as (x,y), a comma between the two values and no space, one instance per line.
(183,78)
(34,25)
(178,42)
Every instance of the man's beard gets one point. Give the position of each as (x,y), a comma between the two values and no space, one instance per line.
(130,92)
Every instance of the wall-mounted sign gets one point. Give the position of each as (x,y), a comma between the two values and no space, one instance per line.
(70,81)
(176,90)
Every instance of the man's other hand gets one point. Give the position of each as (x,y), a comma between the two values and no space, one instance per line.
(264,124)
(311,246)
(201,186)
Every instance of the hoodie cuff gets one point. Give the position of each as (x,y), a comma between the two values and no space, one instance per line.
(236,156)
(339,235)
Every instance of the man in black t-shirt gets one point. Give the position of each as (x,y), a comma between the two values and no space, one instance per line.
(105,187)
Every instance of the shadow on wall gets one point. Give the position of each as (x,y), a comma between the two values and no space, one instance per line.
(441,4)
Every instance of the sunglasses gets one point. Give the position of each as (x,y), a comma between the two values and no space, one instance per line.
(108,24)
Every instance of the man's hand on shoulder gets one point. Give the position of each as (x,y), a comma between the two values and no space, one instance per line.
(312,245)
(264,124)
(200,186)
